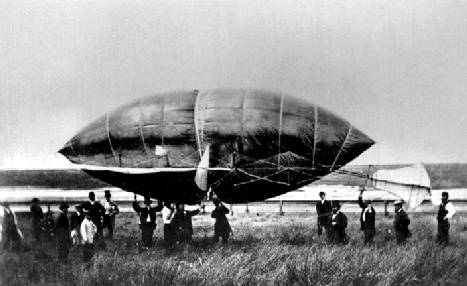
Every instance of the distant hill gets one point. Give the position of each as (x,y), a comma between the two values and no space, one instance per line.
(443,176)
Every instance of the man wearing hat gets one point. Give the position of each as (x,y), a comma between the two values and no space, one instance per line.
(367,219)
(445,212)
(147,218)
(96,211)
(221,226)
(401,223)
(338,224)
(111,209)
(62,233)
(324,212)
(36,222)
(88,231)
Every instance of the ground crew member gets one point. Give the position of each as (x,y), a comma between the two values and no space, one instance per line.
(324,211)
(338,224)
(76,220)
(111,209)
(168,213)
(96,211)
(221,226)
(367,219)
(183,223)
(49,223)
(147,217)
(36,219)
(445,212)
(88,231)
(62,233)
(401,223)
(10,235)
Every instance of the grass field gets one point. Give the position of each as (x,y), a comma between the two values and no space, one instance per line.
(265,250)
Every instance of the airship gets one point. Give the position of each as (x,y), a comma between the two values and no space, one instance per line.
(243,145)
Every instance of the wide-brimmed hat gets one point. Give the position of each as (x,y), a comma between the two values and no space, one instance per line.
(64,206)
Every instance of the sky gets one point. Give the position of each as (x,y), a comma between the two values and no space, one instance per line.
(397,70)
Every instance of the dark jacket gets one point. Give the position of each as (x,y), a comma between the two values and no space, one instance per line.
(76,220)
(338,234)
(37,214)
(96,211)
(369,222)
(324,211)
(144,212)
(62,228)
(401,224)
(182,221)
(221,226)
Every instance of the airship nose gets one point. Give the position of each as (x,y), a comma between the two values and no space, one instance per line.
(66,150)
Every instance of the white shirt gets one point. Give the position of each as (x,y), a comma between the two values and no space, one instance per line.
(167,215)
(451,210)
(88,230)
(367,210)
(334,215)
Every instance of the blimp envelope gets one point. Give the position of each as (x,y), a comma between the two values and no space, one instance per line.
(261,144)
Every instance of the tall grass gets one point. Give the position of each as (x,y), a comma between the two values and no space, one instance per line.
(265,250)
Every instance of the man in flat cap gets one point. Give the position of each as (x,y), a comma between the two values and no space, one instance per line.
(147,217)
(338,224)
(37,215)
(367,219)
(445,212)
(401,223)
(62,233)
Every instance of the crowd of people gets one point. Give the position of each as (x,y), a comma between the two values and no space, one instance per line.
(85,227)
(334,222)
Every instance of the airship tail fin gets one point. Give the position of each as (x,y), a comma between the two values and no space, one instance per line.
(412,184)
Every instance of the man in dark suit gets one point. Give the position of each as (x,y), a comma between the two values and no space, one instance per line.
(221,226)
(182,222)
(324,211)
(338,224)
(367,219)
(401,223)
(96,211)
(62,233)
(147,218)
(445,212)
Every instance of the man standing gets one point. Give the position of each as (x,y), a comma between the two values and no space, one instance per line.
(445,212)
(167,215)
(96,211)
(338,224)
(324,211)
(183,223)
(76,220)
(88,231)
(367,219)
(62,233)
(221,226)
(111,209)
(36,219)
(401,223)
(10,235)
(147,218)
